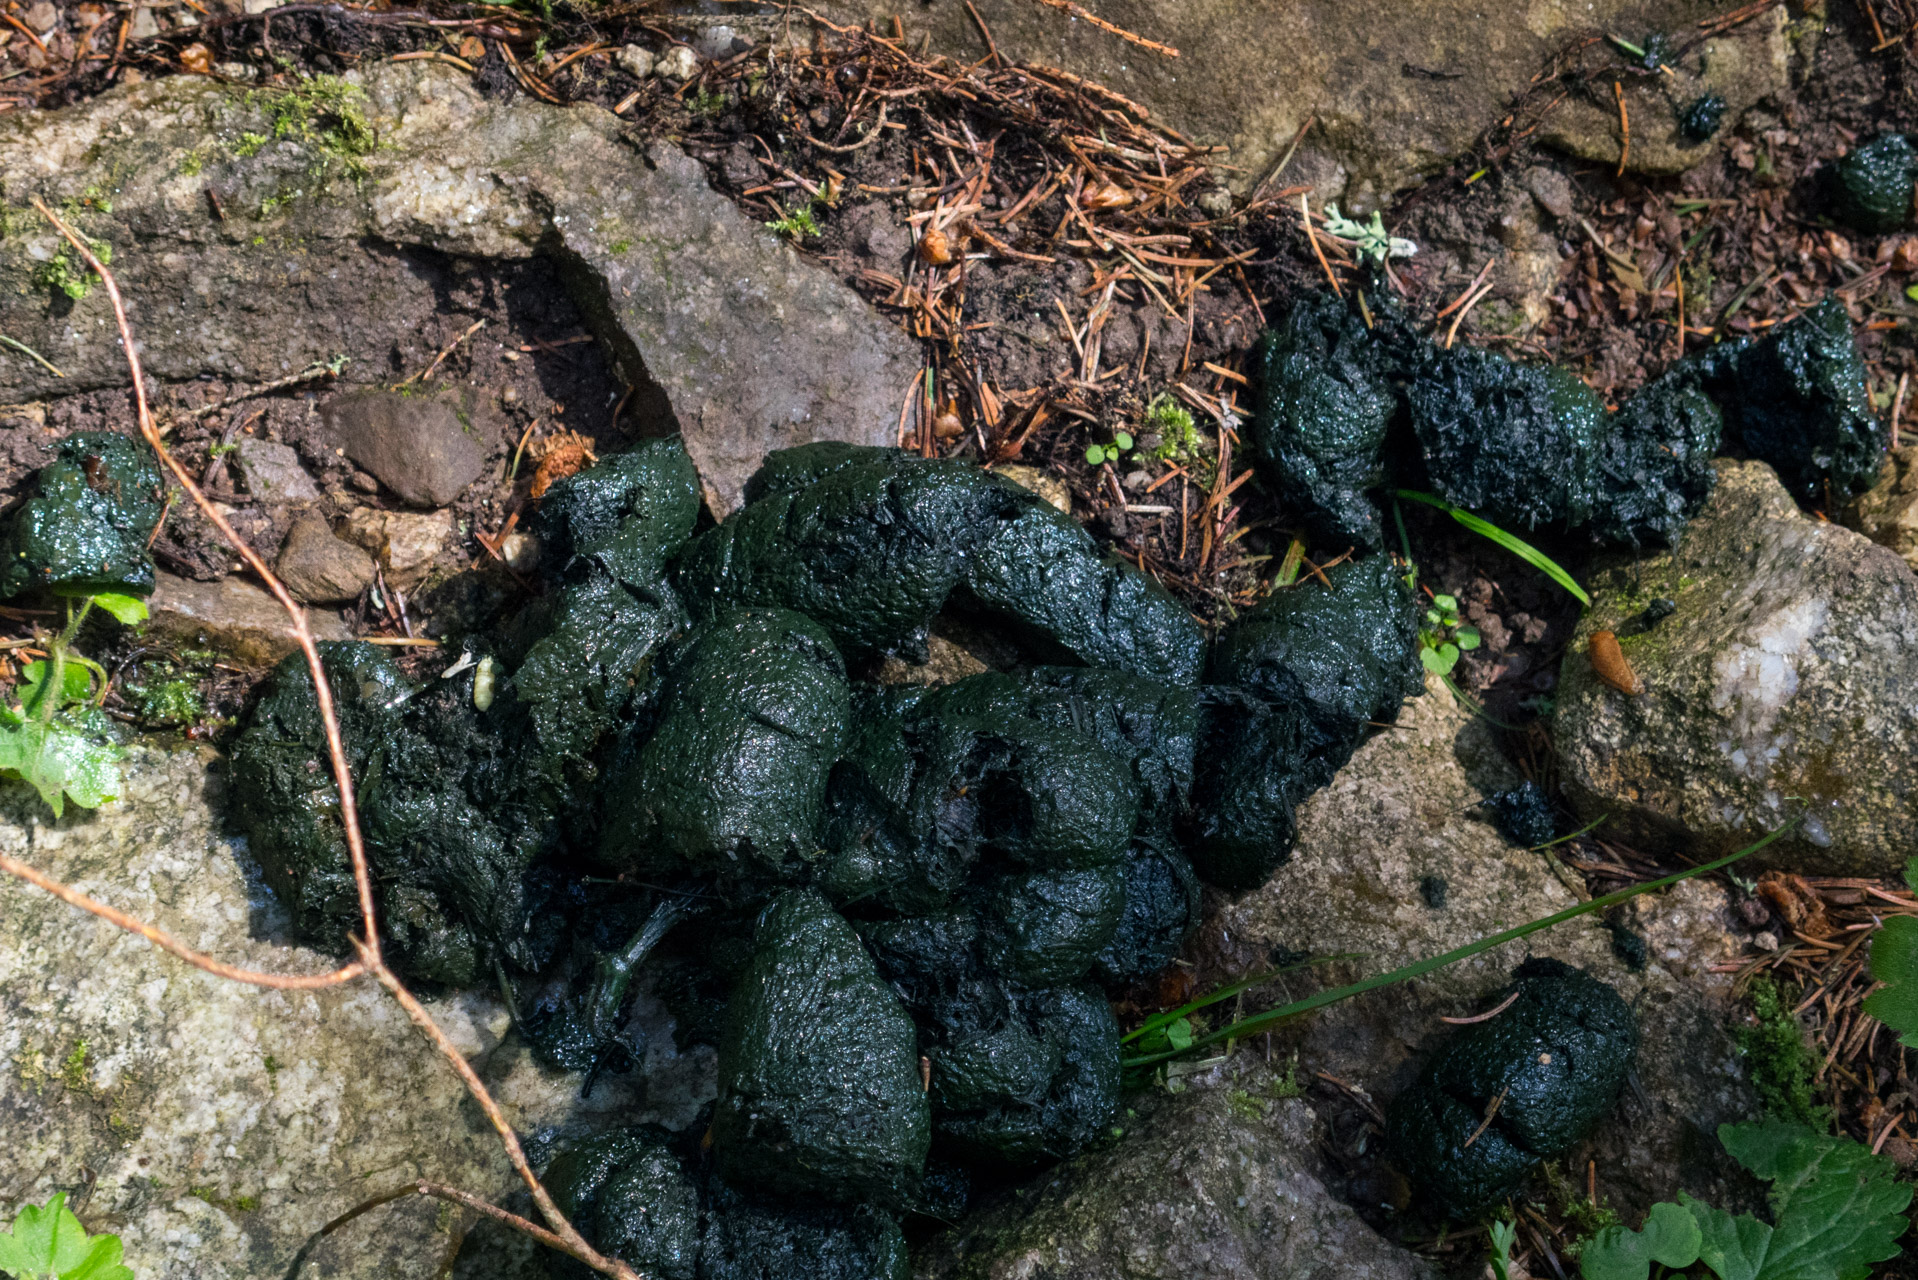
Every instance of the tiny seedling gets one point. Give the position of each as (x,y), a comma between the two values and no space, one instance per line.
(1099,454)
(796,225)
(1369,238)
(1442,636)
(1517,546)
(50,1244)
(1504,1236)
(1894,962)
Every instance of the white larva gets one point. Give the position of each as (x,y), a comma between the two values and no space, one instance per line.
(485,672)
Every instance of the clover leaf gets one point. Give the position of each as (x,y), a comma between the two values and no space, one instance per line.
(50,1244)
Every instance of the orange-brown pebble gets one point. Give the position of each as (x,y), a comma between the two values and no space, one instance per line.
(935,247)
(1608,660)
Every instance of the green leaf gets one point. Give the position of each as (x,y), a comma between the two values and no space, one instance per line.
(1894,962)
(1447,603)
(1670,1237)
(1911,291)
(1095,454)
(1179,1034)
(1467,637)
(68,757)
(128,609)
(1504,1236)
(51,1242)
(1430,660)
(1517,546)
(1122,440)
(1911,875)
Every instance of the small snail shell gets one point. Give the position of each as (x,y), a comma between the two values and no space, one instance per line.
(1608,662)
(484,676)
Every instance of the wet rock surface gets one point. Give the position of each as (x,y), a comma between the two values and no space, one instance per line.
(1786,670)
(215,1126)
(678,283)
(1214,1183)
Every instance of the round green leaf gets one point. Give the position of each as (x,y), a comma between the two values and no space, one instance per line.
(1095,454)
(1467,637)
(1121,441)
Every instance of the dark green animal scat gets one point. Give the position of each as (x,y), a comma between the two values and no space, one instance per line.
(1348,656)
(1653,469)
(1515,443)
(1325,400)
(1160,908)
(1042,573)
(1554,1061)
(748,1241)
(85,530)
(868,545)
(1150,725)
(283,795)
(1079,1105)
(1801,405)
(1048,927)
(628,513)
(1701,117)
(629,1197)
(1871,186)
(579,677)
(753,714)
(1257,761)
(1523,814)
(819,1086)
(871,542)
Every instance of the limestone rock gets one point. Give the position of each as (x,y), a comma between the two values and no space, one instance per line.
(752,348)
(1782,684)
(225,1123)
(636,60)
(404,542)
(273,473)
(1887,513)
(233,615)
(1400,828)
(423,448)
(1049,487)
(1214,1183)
(320,568)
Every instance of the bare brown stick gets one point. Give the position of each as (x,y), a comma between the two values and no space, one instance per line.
(426,375)
(1093,19)
(370,959)
(1487,1016)
(1305,217)
(473,1202)
(335,747)
(1624,128)
(167,942)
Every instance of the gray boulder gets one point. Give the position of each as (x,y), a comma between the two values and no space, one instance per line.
(234,615)
(273,472)
(1785,682)
(1213,1183)
(1399,829)
(723,331)
(215,1127)
(320,568)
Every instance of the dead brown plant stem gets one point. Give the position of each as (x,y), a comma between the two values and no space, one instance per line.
(564,1236)
(1093,19)
(1624,128)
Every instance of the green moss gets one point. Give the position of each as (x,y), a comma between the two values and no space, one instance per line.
(620,246)
(73,1072)
(1172,423)
(165,694)
(1782,1063)
(191,164)
(1248,1107)
(68,274)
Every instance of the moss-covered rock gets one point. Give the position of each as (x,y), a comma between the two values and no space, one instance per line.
(85,529)
(819,1086)
(732,779)
(1522,1087)
(1872,185)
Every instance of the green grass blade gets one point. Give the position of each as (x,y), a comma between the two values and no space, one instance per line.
(1271,1018)
(1517,546)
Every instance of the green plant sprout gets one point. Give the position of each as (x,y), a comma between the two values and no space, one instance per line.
(56,737)
(65,273)
(1504,1236)
(50,1244)
(1894,962)
(1442,637)
(1099,454)
(1369,238)
(796,225)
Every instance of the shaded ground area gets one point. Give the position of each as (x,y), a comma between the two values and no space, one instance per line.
(1073,271)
